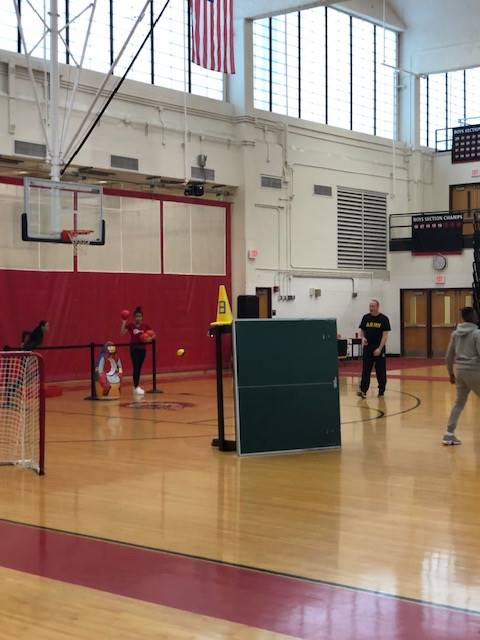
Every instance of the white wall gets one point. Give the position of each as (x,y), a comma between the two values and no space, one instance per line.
(372,9)
(416,272)
(438,174)
(327,156)
(335,301)
(261,8)
(143,121)
(376,10)
(440,35)
(445,174)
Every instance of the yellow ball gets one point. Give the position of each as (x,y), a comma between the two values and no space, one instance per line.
(180,352)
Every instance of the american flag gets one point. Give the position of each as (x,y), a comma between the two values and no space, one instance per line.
(212,34)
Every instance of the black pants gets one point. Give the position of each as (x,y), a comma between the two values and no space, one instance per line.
(380,363)
(137,354)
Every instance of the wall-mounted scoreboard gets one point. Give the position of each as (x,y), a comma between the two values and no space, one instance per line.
(466,144)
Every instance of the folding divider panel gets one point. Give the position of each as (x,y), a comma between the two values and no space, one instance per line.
(141,235)
(177,255)
(193,239)
(286,385)
(208,239)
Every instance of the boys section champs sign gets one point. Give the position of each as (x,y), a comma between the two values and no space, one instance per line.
(466,144)
(437,232)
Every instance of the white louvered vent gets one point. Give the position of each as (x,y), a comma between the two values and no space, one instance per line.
(198,173)
(30,149)
(375,230)
(123,162)
(362,229)
(270,182)
(322,190)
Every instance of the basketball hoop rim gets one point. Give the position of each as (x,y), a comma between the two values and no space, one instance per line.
(76,236)
(57,238)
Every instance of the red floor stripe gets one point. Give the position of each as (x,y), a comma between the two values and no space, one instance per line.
(276,603)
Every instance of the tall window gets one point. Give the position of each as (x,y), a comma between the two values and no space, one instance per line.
(448,100)
(285,57)
(161,62)
(324,65)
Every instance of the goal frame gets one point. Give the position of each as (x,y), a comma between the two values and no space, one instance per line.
(10,355)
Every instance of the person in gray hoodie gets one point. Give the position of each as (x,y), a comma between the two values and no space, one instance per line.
(463,364)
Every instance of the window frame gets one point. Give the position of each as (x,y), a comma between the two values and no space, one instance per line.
(429,105)
(350,104)
(149,47)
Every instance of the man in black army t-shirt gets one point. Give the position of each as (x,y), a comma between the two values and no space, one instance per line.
(375,327)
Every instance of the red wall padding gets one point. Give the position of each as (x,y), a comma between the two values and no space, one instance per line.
(85,307)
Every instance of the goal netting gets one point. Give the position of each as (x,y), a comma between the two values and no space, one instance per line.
(22,410)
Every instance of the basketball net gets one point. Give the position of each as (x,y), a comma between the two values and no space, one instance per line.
(78,238)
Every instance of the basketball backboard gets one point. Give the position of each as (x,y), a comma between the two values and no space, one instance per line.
(52,210)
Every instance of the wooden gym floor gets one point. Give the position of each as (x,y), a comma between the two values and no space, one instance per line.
(139,529)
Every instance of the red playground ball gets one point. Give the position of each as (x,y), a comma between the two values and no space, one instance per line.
(125,314)
(150,333)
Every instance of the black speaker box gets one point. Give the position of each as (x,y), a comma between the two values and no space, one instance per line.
(248,307)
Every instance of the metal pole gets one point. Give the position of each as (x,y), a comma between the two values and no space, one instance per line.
(93,391)
(154,366)
(220,407)
(30,71)
(54,93)
(220,442)
(154,369)
(41,461)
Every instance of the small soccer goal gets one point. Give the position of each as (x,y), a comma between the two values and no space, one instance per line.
(22,410)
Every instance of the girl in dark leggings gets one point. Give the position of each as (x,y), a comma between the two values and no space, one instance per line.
(138,339)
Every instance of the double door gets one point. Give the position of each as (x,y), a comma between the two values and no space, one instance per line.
(428,319)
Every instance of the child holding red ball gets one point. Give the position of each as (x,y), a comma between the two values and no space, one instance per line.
(140,334)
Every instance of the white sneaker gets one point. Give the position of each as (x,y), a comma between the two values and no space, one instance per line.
(138,391)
